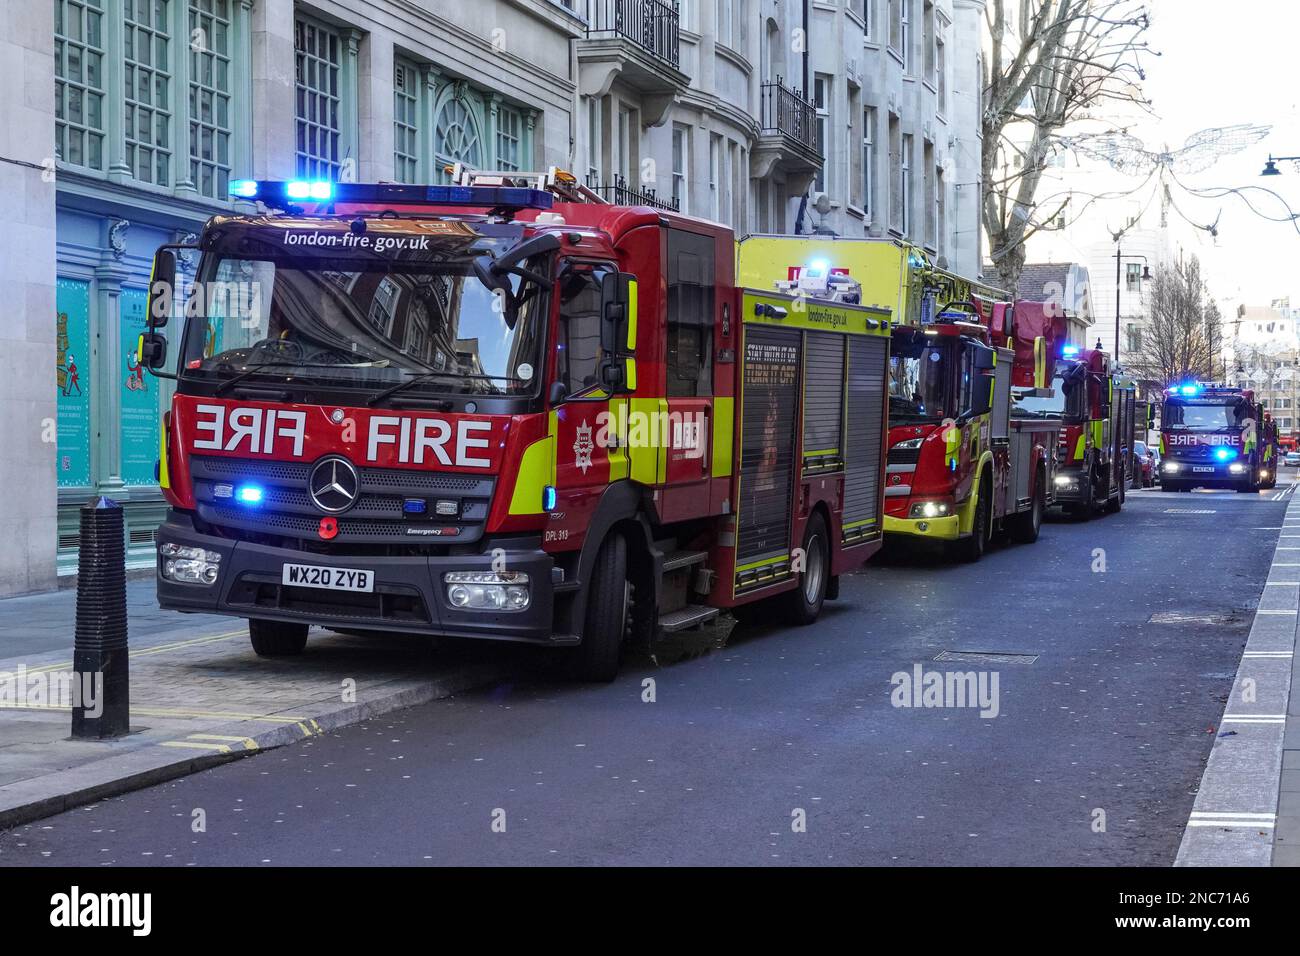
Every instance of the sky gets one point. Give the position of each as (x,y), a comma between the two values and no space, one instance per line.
(1222,64)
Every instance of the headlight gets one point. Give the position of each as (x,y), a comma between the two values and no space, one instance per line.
(487,590)
(929,509)
(1066,481)
(1236,468)
(910,443)
(187,565)
(1172,466)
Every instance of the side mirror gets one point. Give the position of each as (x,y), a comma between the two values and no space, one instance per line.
(984,359)
(1151,415)
(151,351)
(162,289)
(618,332)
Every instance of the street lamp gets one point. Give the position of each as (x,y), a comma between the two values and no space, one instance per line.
(1146,276)
(1270,167)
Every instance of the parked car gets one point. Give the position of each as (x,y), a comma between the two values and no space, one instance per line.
(1146,467)
(1292,458)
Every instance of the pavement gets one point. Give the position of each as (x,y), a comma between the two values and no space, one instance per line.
(198,696)
(1116,645)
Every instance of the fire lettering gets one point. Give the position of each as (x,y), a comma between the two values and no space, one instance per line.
(430,435)
(259,428)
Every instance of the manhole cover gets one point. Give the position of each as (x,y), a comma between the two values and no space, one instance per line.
(1179,617)
(1190,511)
(986,657)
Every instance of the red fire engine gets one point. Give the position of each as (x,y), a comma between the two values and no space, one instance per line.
(1095,460)
(503,409)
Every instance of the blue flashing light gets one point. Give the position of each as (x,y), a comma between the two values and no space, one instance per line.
(1069,350)
(280,194)
(249,494)
(1224,454)
(1190,388)
(819,267)
(415,506)
(548,498)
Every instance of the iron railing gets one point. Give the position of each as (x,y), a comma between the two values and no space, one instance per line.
(786,111)
(650,24)
(621,194)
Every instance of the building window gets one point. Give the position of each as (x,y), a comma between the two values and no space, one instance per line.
(941,76)
(510,139)
(895,147)
(210,119)
(821,102)
(895,12)
(940,224)
(715,174)
(905,184)
(79,82)
(930,61)
(681,163)
(1133,334)
(406,122)
(868,18)
(869,161)
(931,210)
(591,108)
(318,53)
(146,86)
(1133,276)
(723,26)
(457,136)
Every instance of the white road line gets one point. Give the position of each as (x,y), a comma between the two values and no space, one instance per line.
(1271,719)
(1277,654)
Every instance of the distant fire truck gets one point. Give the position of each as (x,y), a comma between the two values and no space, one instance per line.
(1215,436)
(967,459)
(1095,457)
(504,409)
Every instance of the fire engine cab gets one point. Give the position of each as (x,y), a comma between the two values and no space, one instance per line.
(502,408)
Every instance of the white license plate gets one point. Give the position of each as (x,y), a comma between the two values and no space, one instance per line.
(1202,468)
(331,579)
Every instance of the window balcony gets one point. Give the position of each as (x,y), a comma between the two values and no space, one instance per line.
(620,193)
(635,42)
(788,138)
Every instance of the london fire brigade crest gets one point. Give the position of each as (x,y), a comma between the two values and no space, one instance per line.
(582,447)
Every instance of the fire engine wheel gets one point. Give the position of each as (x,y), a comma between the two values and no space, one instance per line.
(973,548)
(804,603)
(1025,526)
(277,638)
(596,658)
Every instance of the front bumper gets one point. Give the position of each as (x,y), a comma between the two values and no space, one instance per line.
(947,528)
(1218,475)
(1070,485)
(409,594)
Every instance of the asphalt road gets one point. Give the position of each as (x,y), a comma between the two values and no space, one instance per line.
(1093,758)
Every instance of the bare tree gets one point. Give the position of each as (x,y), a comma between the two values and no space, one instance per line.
(1050,64)
(1184,334)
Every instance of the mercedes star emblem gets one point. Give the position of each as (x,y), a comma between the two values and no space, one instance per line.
(334,485)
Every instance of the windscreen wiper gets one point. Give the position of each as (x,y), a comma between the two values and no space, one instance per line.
(230,383)
(425,376)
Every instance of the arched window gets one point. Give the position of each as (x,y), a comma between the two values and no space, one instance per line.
(457,135)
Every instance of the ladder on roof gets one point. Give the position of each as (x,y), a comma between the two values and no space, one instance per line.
(558,182)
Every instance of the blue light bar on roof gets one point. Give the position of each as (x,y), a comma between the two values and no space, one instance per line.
(279,195)
(1069,350)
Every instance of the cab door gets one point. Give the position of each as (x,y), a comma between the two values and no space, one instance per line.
(686,428)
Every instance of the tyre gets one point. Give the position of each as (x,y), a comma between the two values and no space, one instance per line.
(973,548)
(804,603)
(596,658)
(277,638)
(1025,526)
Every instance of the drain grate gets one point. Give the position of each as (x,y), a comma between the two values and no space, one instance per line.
(1190,511)
(986,657)
(1177,617)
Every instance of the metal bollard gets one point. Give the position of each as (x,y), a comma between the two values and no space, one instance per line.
(101,706)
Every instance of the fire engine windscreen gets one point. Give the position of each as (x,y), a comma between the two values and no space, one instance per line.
(1065,402)
(1205,416)
(366,321)
(920,385)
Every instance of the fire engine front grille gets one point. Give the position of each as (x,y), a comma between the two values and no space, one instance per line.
(379,516)
(904,456)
